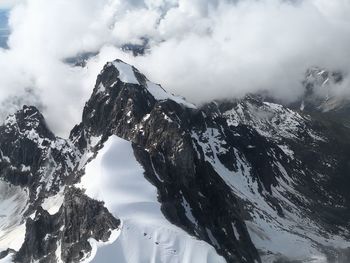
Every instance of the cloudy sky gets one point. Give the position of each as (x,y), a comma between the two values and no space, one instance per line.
(200,49)
(5,4)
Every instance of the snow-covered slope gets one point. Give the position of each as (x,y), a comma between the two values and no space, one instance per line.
(278,223)
(116,178)
(293,211)
(13,203)
(271,120)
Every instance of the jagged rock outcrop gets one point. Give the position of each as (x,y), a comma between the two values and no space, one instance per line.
(64,236)
(32,156)
(36,170)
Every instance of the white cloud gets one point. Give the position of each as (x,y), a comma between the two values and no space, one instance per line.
(201,49)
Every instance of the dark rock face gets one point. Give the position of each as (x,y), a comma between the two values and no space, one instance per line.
(30,154)
(96,223)
(65,234)
(40,241)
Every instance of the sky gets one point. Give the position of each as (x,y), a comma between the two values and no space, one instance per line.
(199,49)
(6,4)
(3,28)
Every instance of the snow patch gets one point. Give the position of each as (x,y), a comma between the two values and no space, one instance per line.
(95,245)
(160,94)
(53,204)
(235,231)
(101,88)
(8,259)
(58,252)
(287,151)
(126,72)
(188,211)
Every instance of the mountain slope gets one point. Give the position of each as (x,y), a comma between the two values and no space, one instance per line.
(310,161)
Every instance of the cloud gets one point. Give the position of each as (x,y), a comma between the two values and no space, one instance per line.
(25,97)
(200,49)
(246,47)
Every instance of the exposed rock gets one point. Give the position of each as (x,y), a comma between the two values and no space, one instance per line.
(65,235)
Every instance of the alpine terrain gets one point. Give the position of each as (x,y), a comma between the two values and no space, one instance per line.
(147,176)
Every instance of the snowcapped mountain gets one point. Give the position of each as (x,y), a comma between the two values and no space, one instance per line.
(149,177)
(322,95)
(318,90)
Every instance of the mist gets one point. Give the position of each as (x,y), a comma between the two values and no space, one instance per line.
(202,50)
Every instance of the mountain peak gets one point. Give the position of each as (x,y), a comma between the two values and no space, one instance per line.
(28,120)
(119,71)
(319,86)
